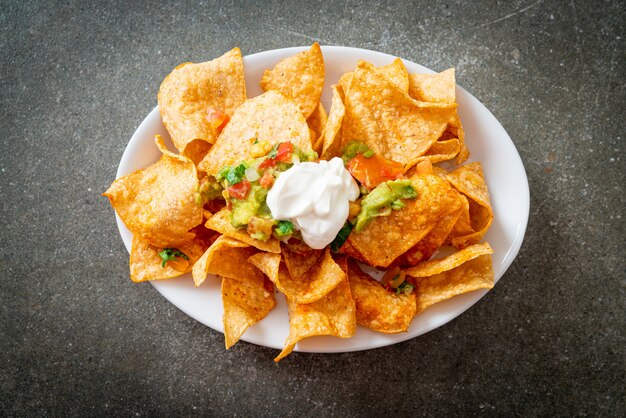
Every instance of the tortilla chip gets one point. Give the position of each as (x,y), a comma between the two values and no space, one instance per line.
(425,249)
(300,77)
(220,222)
(298,263)
(474,274)
(157,203)
(334,315)
(246,302)
(146,264)
(348,249)
(317,122)
(442,150)
(269,117)
(388,121)
(268,263)
(440,88)
(318,281)
(440,265)
(332,134)
(377,308)
(396,73)
(388,237)
(455,126)
(196,150)
(227,257)
(469,180)
(436,88)
(345,80)
(187,94)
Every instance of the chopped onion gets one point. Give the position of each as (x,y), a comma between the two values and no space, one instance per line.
(252,174)
(295,159)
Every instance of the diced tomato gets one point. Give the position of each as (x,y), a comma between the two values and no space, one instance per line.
(269,163)
(284,152)
(217,119)
(239,190)
(374,170)
(266,180)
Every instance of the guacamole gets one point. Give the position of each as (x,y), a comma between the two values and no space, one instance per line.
(382,200)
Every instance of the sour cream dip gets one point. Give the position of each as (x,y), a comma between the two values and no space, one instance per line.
(315,198)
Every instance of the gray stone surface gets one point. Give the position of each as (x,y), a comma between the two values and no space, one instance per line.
(78,338)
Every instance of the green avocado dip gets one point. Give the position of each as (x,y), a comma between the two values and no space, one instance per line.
(382,200)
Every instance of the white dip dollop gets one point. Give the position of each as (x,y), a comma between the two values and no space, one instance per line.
(315,198)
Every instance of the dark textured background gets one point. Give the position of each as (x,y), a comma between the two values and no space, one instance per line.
(77,338)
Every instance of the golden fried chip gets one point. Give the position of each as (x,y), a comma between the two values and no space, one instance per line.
(146,264)
(246,302)
(227,257)
(191,91)
(299,262)
(472,275)
(317,282)
(345,80)
(436,88)
(268,263)
(317,123)
(440,265)
(440,88)
(220,222)
(463,225)
(333,315)
(348,249)
(396,73)
(424,249)
(157,203)
(300,77)
(269,117)
(388,237)
(455,126)
(443,150)
(377,308)
(331,146)
(389,121)
(469,180)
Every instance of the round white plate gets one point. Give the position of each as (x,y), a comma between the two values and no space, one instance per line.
(488,143)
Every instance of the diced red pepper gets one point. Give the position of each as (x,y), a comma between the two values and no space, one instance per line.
(284,152)
(269,163)
(266,180)
(239,190)
(374,170)
(217,119)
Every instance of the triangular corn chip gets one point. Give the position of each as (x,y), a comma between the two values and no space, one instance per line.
(191,91)
(300,77)
(157,203)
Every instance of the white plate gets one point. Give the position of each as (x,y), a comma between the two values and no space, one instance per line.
(488,143)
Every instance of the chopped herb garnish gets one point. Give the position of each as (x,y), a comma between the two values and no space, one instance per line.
(368,154)
(405,288)
(171,254)
(283,229)
(274,151)
(341,237)
(235,174)
(221,175)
